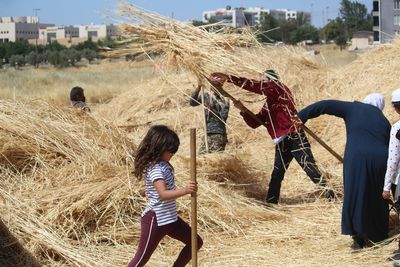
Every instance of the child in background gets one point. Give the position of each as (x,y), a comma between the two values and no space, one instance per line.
(160,216)
(78,99)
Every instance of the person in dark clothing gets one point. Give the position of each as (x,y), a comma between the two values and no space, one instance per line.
(216,109)
(78,99)
(365,213)
(277,114)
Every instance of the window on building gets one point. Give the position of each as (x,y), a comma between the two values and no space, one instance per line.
(397,20)
(375,6)
(376,36)
(396,4)
(375,21)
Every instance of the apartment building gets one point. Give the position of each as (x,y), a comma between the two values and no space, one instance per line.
(386,20)
(49,34)
(19,28)
(96,32)
(240,17)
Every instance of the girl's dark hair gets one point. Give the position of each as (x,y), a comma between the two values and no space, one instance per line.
(159,139)
(76,94)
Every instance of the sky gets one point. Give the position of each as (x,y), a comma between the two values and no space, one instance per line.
(73,12)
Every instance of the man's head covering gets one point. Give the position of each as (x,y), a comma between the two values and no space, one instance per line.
(375,99)
(271,74)
(396,96)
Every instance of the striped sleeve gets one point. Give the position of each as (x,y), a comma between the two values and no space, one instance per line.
(155,173)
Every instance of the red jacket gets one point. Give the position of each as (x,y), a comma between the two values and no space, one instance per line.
(278,108)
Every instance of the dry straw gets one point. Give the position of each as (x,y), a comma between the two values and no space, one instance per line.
(66,189)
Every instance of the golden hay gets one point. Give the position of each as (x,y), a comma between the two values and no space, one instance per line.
(67,193)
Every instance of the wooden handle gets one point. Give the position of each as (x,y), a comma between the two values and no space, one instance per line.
(322,143)
(193,173)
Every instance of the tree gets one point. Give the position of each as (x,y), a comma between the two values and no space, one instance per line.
(355,16)
(58,59)
(17,61)
(301,19)
(34,58)
(268,30)
(73,56)
(305,32)
(89,54)
(55,46)
(87,44)
(287,27)
(198,23)
(335,30)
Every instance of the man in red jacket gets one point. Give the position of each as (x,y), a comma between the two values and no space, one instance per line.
(277,114)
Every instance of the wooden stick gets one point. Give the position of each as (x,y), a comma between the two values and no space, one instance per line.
(305,128)
(322,143)
(204,120)
(193,196)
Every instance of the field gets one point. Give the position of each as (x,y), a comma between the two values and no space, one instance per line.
(68,195)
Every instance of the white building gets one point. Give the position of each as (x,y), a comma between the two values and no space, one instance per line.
(49,34)
(29,28)
(96,32)
(386,20)
(240,17)
(19,28)
(230,17)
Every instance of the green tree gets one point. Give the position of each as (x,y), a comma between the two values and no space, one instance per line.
(89,54)
(287,27)
(301,19)
(55,46)
(89,44)
(73,56)
(335,30)
(198,23)
(34,58)
(268,31)
(108,42)
(2,52)
(58,59)
(305,32)
(355,16)
(17,61)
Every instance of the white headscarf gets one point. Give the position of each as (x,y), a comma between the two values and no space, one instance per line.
(376,100)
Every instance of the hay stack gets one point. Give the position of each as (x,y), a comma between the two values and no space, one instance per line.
(67,193)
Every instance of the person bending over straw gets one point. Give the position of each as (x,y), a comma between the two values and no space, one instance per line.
(365,214)
(276,114)
(216,109)
(160,217)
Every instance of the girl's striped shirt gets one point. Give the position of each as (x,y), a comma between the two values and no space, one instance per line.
(165,209)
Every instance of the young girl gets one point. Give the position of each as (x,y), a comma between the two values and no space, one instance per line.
(160,216)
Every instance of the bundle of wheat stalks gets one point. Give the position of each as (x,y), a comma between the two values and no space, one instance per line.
(198,50)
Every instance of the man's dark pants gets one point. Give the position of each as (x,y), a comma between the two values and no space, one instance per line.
(294,145)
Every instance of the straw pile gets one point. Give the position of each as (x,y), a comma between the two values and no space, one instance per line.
(67,193)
